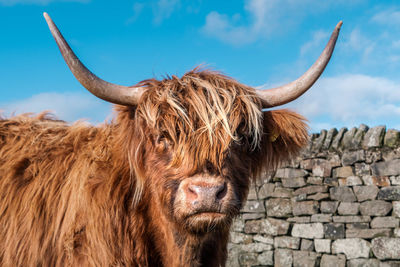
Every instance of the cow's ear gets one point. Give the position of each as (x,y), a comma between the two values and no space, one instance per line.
(284,135)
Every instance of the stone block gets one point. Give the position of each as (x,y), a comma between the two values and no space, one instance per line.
(240,238)
(362,168)
(342,193)
(287,242)
(343,172)
(264,239)
(329,206)
(337,140)
(274,227)
(389,193)
(301,219)
(348,208)
(315,180)
(333,261)
(374,137)
(280,192)
(334,230)
(380,181)
(307,245)
(386,168)
(311,189)
(386,248)
(352,247)
(252,216)
(283,258)
(321,168)
(254,206)
(385,222)
(278,207)
(237,225)
(290,173)
(389,264)
(321,218)
(351,157)
(350,181)
(307,164)
(329,138)
(256,247)
(248,259)
(375,208)
(322,245)
(363,263)
(309,231)
(367,192)
(252,226)
(304,259)
(368,233)
(348,137)
(358,225)
(351,219)
(265,258)
(305,208)
(395,180)
(293,182)
(392,138)
(318,142)
(396,209)
(331,181)
(318,196)
(372,156)
(266,190)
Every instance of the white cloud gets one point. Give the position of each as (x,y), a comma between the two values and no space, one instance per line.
(37,2)
(69,106)
(318,38)
(351,99)
(389,17)
(161,9)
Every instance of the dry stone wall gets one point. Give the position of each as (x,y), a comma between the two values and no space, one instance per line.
(337,204)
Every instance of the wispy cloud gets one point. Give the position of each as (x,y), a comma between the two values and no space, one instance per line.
(161,9)
(37,2)
(389,17)
(69,106)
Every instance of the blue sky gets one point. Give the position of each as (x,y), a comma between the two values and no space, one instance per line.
(262,43)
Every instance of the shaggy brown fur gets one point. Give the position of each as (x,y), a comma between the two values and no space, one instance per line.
(78,195)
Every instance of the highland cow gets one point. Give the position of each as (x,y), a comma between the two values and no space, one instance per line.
(157,186)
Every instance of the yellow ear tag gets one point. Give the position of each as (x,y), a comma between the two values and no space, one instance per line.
(274,135)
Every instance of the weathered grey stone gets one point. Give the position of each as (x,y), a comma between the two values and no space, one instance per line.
(333,261)
(237,225)
(374,137)
(307,245)
(307,164)
(301,197)
(319,141)
(290,173)
(351,157)
(368,233)
(396,209)
(264,239)
(240,238)
(348,208)
(352,247)
(386,168)
(311,189)
(274,227)
(265,258)
(342,193)
(315,180)
(321,168)
(247,259)
(372,156)
(233,259)
(350,181)
(254,206)
(304,259)
(391,154)
(305,208)
(389,193)
(343,172)
(281,192)
(351,219)
(375,208)
(283,257)
(368,192)
(334,230)
(266,190)
(252,216)
(301,219)
(318,196)
(329,206)
(287,242)
(396,232)
(357,225)
(389,264)
(363,263)
(392,138)
(321,218)
(385,222)
(331,181)
(395,180)
(362,168)
(322,245)
(252,193)
(252,226)
(310,231)
(386,248)
(359,136)
(367,179)
(338,139)
(329,138)
(278,207)
(256,247)
(293,182)
(347,141)
(381,180)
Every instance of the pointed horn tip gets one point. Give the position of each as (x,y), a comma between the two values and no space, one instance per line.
(339,25)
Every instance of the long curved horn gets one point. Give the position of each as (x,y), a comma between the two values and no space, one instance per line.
(289,92)
(117,94)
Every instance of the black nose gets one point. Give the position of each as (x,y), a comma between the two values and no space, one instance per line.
(207,192)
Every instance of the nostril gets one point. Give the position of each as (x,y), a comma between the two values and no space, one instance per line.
(221,192)
(193,191)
